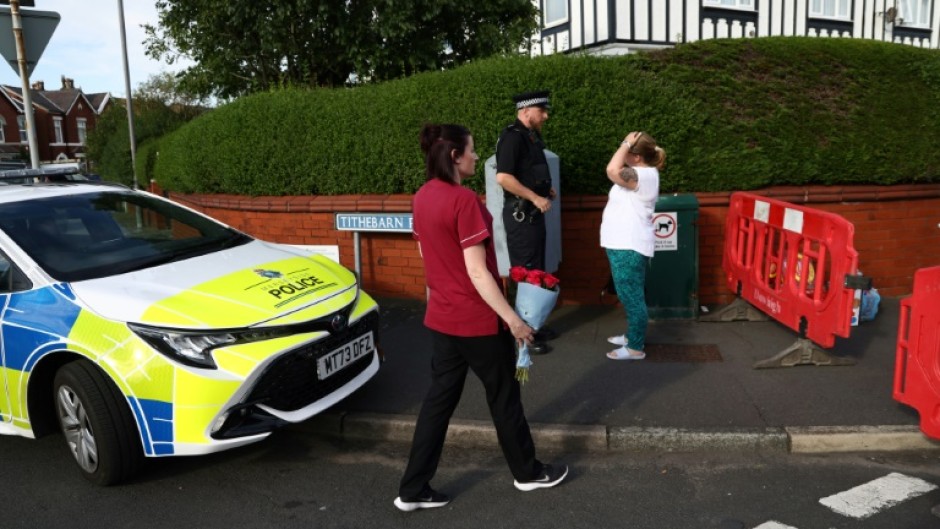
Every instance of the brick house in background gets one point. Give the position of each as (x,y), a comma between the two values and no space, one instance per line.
(63,119)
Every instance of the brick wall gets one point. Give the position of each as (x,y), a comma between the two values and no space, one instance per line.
(896,233)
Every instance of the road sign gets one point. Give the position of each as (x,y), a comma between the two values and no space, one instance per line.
(38,27)
(23,3)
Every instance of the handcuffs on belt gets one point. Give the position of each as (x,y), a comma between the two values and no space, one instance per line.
(519,213)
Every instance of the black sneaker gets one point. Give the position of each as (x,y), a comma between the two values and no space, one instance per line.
(545,334)
(538,348)
(429,500)
(549,477)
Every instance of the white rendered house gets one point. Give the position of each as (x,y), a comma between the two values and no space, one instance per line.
(620,26)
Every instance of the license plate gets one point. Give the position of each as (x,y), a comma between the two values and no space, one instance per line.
(344,355)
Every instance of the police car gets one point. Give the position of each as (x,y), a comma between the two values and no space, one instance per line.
(140,328)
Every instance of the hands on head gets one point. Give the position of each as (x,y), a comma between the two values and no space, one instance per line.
(632,137)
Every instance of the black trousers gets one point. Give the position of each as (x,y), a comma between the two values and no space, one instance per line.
(492,359)
(525,241)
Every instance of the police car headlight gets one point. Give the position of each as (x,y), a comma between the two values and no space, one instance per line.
(190,348)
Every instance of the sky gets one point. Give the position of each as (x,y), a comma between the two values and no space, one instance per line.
(86,46)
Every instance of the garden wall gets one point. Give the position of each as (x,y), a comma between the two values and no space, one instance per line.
(896,233)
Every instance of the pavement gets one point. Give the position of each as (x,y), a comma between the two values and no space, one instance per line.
(695,391)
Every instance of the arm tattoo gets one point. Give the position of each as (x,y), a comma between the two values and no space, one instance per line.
(628,174)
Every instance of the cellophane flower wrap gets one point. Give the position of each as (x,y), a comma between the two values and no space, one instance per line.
(536,294)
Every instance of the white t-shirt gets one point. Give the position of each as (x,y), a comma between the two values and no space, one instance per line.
(627,223)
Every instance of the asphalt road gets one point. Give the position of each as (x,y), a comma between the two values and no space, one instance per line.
(296,479)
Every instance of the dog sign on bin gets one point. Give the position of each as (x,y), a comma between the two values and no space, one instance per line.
(665,226)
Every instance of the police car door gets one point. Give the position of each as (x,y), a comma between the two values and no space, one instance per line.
(12,280)
(6,277)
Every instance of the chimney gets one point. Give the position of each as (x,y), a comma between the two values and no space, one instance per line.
(68,84)
(39,85)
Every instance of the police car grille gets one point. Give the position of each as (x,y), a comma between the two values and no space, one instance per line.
(291,382)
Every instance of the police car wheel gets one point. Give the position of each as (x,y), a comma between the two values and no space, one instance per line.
(97,423)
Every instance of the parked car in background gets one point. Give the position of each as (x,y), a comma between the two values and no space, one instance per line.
(11,165)
(140,328)
(48,174)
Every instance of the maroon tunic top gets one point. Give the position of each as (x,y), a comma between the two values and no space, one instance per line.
(449,218)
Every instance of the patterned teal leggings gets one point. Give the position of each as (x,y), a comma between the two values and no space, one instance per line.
(629,271)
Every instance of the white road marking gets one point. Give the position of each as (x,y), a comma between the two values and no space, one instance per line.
(865,500)
(774,525)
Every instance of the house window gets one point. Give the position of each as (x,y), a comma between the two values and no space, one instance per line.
(57,123)
(740,4)
(830,8)
(913,13)
(21,121)
(3,132)
(554,12)
(81,130)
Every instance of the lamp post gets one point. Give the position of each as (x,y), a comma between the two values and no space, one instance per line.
(24,77)
(127,88)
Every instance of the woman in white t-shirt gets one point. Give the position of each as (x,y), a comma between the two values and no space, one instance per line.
(627,233)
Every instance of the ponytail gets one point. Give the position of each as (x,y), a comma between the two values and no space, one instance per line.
(659,159)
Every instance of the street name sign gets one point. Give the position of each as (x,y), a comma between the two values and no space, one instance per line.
(387,222)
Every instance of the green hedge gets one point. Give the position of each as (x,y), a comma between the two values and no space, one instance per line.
(731,114)
(146,159)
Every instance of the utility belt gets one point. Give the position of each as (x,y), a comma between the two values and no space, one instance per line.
(523,210)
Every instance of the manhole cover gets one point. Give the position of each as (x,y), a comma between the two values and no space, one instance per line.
(667,352)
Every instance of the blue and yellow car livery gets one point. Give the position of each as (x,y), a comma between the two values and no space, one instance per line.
(189,357)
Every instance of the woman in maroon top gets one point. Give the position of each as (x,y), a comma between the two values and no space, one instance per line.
(471,323)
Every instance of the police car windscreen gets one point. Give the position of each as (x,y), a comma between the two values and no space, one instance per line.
(102,233)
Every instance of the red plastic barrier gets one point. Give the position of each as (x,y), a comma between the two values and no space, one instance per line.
(768,246)
(917,362)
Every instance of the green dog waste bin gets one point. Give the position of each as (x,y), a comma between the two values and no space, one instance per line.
(672,279)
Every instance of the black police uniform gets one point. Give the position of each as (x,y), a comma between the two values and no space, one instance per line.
(521,153)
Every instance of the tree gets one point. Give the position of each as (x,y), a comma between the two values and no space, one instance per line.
(165,87)
(108,146)
(160,107)
(243,46)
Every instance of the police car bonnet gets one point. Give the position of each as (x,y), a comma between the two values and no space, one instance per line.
(532,99)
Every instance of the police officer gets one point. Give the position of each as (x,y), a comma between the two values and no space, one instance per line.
(522,171)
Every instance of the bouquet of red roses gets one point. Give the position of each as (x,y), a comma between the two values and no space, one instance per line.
(536,295)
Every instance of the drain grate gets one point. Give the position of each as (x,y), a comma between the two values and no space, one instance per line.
(688,353)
